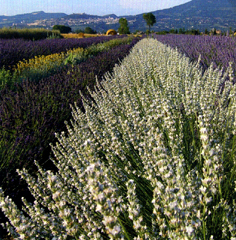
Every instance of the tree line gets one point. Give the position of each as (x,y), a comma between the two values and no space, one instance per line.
(123,29)
(150,20)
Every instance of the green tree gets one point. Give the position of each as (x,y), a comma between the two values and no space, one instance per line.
(206,31)
(193,32)
(89,30)
(123,29)
(79,30)
(182,31)
(62,28)
(150,19)
(172,31)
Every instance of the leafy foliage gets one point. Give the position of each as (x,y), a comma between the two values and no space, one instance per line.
(89,30)
(28,34)
(62,28)
(7,78)
(150,19)
(124,28)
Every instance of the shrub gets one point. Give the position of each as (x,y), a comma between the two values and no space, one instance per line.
(62,28)
(89,30)
(152,157)
(7,78)
(28,34)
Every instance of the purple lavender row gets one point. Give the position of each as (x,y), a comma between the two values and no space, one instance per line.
(219,50)
(15,50)
(30,116)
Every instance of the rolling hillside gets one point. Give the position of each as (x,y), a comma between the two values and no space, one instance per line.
(196,14)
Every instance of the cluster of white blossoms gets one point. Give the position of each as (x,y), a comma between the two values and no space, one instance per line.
(152,157)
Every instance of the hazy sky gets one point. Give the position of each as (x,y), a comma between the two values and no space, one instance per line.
(96,7)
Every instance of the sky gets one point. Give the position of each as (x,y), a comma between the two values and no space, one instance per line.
(93,7)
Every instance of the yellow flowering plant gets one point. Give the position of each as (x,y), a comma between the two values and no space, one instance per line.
(43,66)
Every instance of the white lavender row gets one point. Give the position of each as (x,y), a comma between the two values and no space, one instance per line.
(152,157)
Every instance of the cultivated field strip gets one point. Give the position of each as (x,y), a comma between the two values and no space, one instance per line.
(43,66)
(219,51)
(14,50)
(152,157)
(32,113)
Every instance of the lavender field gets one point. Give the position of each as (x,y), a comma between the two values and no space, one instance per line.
(15,50)
(36,110)
(148,151)
(217,50)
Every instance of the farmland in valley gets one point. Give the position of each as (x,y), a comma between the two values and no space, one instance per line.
(145,144)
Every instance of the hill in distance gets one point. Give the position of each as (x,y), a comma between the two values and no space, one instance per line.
(29,17)
(195,14)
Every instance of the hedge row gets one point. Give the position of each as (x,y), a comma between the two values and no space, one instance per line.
(29,34)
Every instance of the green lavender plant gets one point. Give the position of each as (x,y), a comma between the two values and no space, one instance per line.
(76,58)
(123,168)
(7,78)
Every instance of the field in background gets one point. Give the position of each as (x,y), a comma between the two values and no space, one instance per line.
(28,33)
(77,35)
(86,35)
